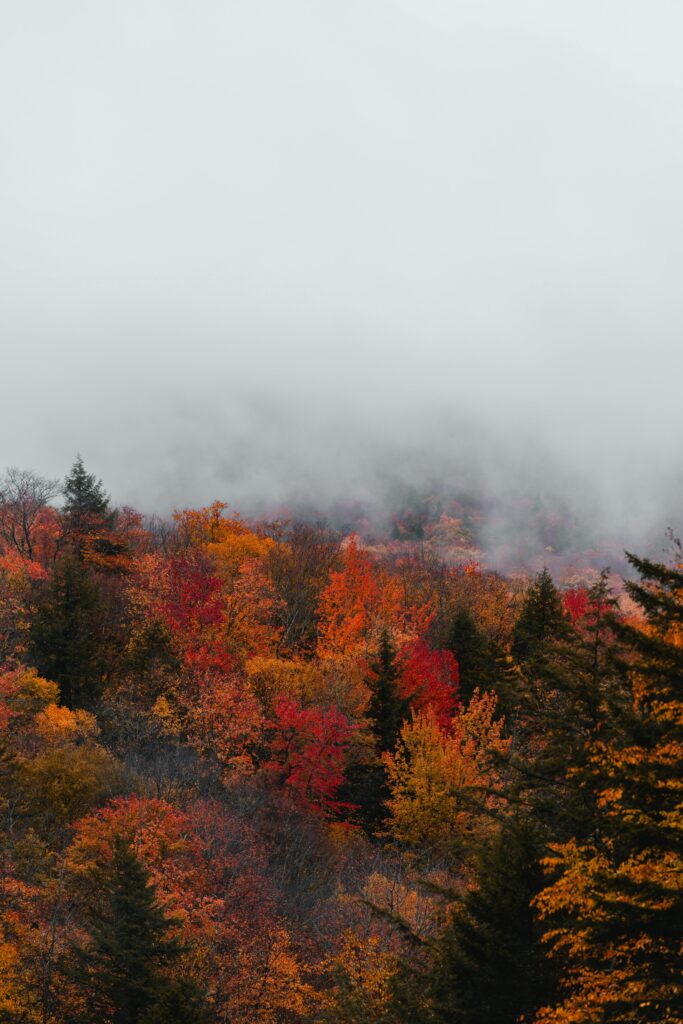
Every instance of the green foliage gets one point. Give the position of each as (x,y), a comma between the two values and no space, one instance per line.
(540,619)
(178,1002)
(615,901)
(488,962)
(66,632)
(120,970)
(478,661)
(560,699)
(85,500)
(387,709)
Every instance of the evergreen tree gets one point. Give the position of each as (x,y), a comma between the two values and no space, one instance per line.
(615,904)
(491,965)
(365,786)
(178,1002)
(66,632)
(558,702)
(120,969)
(541,618)
(387,708)
(86,504)
(488,963)
(478,660)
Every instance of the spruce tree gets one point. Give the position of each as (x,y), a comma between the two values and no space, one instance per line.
(66,632)
(120,970)
(387,708)
(365,785)
(86,504)
(477,659)
(488,963)
(178,1002)
(491,965)
(559,701)
(541,618)
(615,900)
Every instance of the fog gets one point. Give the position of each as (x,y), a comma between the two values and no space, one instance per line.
(286,252)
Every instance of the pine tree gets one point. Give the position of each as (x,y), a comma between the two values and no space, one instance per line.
(541,618)
(66,632)
(559,701)
(615,902)
(178,1002)
(491,965)
(477,659)
(120,969)
(488,963)
(386,709)
(365,785)
(86,504)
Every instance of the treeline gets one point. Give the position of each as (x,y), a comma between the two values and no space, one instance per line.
(257,772)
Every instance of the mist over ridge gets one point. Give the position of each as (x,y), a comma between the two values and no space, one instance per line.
(301,255)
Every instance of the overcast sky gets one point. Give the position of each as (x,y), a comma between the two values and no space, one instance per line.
(256,248)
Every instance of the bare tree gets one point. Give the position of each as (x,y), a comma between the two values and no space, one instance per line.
(163,532)
(23,495)
(300,571)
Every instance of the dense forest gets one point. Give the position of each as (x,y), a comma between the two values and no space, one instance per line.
(275,770)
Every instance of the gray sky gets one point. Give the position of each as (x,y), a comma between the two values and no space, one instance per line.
(254,249)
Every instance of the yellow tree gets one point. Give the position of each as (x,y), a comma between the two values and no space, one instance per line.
(442,781)
(51,769)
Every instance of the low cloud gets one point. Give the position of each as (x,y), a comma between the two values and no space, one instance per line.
(303,253)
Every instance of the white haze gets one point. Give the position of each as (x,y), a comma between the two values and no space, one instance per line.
(278,250)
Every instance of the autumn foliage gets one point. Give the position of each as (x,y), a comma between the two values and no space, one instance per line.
(268,772)
(308,749)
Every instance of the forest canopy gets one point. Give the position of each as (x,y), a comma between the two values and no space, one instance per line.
(276,770)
